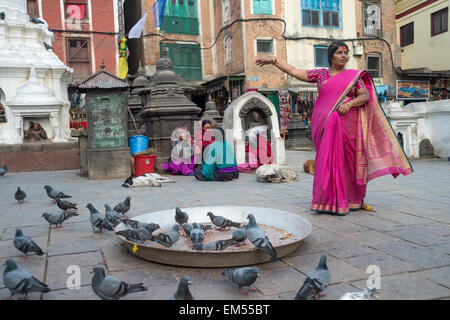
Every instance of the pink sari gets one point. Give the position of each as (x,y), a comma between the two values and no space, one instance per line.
(352,149)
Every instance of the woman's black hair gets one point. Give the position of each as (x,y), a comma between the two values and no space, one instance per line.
(206,121)
(332,49)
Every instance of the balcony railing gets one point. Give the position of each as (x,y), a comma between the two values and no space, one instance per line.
(371,31)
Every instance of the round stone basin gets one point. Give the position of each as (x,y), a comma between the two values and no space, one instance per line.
(284,229)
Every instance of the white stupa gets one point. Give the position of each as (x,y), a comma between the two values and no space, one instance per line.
(33,81)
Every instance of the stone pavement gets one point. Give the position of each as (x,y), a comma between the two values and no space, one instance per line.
(408,237)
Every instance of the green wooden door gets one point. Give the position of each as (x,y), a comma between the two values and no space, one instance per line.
(273,97)
(186,60)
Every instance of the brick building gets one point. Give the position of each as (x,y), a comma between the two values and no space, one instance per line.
(375,20)
(85,32)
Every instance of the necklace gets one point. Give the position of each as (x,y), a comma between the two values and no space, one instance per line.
(332,73)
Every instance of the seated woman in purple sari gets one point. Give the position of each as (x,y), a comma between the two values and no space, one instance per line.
(353,139)
(181,158)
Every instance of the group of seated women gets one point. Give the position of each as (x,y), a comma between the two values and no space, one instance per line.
(209,157)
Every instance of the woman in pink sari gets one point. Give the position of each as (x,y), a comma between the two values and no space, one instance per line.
(353,139)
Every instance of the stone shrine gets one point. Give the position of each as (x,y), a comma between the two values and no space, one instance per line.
(253,111)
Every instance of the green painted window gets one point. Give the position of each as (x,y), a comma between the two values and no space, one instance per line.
(186,60)
(262,7)
(180,16)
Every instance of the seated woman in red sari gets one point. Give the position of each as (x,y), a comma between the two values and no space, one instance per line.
(257,148)
(203,138)
(353,139)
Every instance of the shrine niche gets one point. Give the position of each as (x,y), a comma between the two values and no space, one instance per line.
(249,115)
(35,132)
(2,113)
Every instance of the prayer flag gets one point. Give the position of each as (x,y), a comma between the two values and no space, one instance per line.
(158,12)
(137,29)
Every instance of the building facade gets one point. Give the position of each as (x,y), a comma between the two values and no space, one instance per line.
(85,32)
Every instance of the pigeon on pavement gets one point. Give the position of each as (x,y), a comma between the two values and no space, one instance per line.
(181,217)
(25,245)
(366,294)
(64,204)
(239,236)
(110,288)
(222,222)
(57,218)
(3,170)
(258,237)
(97,220)
(243,277)
(55,194)
(112,215)
(20,195)
(124,206)
(167,238)
(218,245)
(20,281)
(316,281)
(183,292)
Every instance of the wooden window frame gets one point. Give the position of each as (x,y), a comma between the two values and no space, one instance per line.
(86,13)
(88,49)
(36,8)
(320,11)
(402,44)
(440,13)
(374,55)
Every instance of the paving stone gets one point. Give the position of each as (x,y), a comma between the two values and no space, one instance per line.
(276,281)
(84,293)
(30,231)
(57,278)
(442,247)
(372,237)
(410,286)
(59,247)
(407,219)
(388,265)
(414,254)
(418,234)
(78,259)
(119,258)
(438,275)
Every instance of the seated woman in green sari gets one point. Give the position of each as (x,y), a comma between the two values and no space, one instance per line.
(219,163)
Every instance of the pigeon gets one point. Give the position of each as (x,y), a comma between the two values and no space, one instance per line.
(139,224)
(64,204)
(37,21)
(316,281)
(112,215)
(239,235)
(57,218)
(2,15)
(20,195)
(218,245)
(222,222)
(123,206)
(181,216)
(183,292)
(167,238)
(197,234)
(243,277)
(257,236)
(55,194)
(3,170)
(97,220)
(187,227)
(20,281)
(47,46)
(366,294)
(25,245)
(110,288)
(135,235)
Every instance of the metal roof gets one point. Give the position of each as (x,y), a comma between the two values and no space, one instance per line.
(103,80)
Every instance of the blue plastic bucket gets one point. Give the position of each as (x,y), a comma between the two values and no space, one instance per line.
(138,143)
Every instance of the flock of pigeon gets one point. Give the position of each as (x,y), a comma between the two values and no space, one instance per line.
(20,281)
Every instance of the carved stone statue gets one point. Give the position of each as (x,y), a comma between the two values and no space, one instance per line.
(35,132)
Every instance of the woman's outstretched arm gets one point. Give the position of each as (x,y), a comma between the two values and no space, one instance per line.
(283,66)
